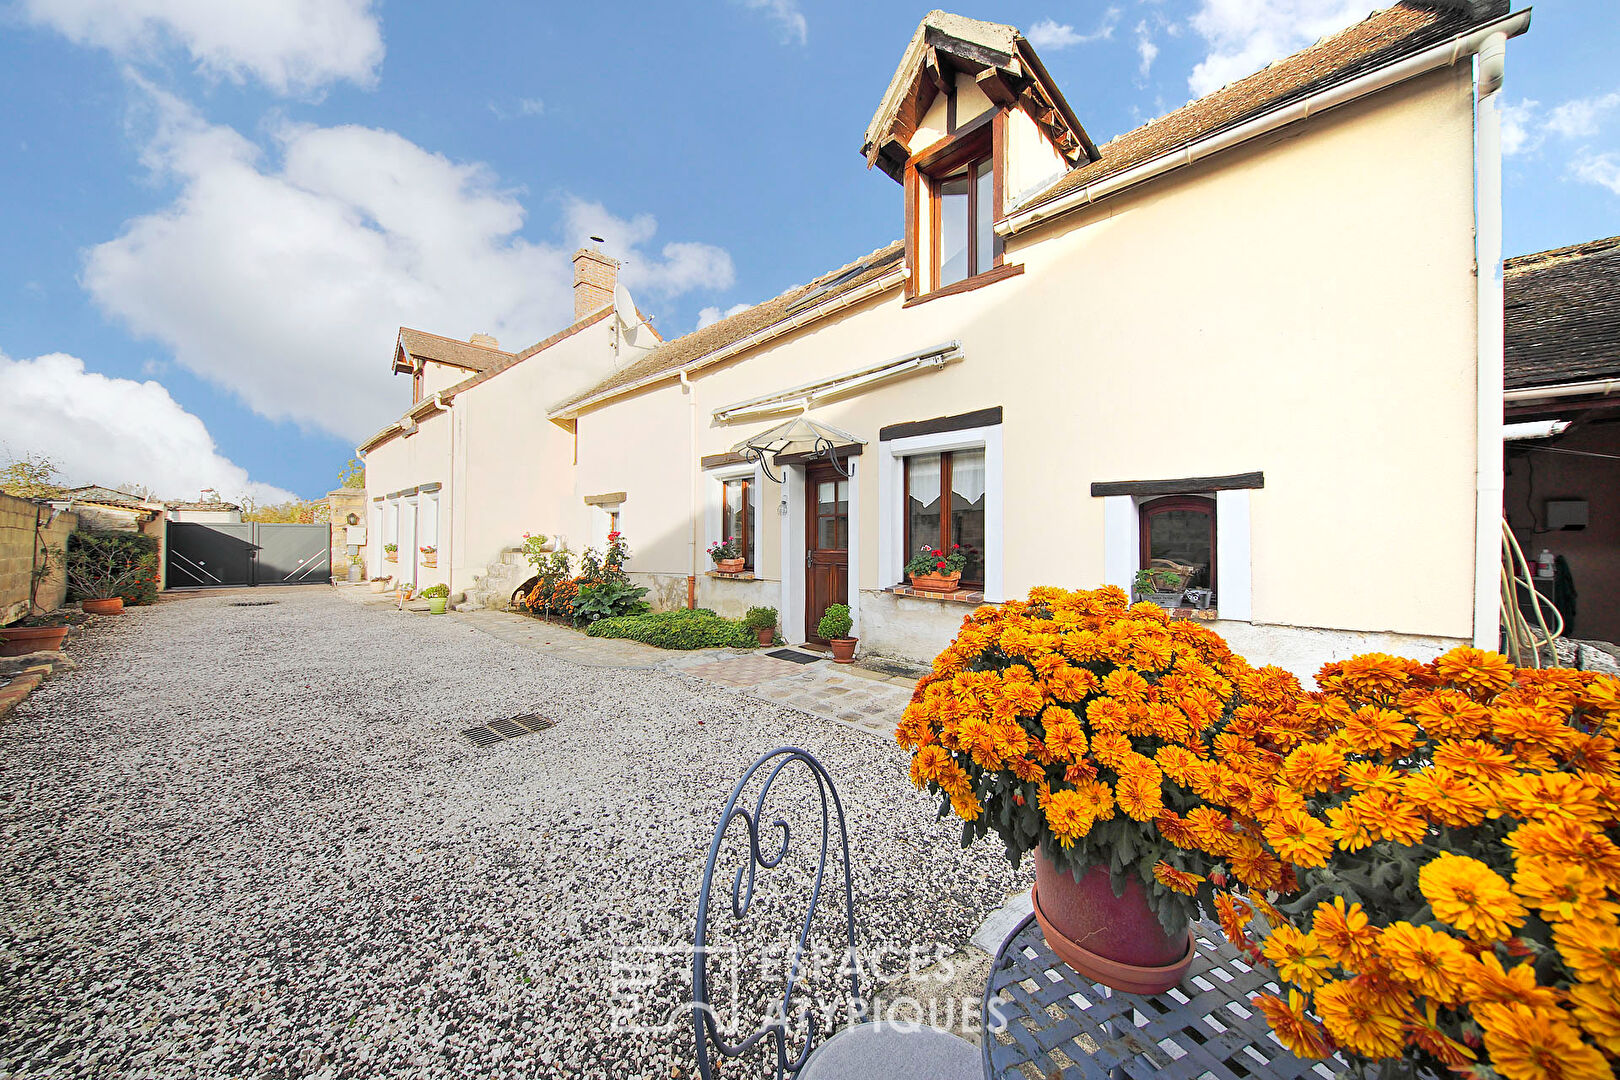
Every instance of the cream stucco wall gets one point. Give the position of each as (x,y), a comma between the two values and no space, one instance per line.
(1303,306)
(505,469)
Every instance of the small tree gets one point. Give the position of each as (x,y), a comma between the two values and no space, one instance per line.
(353,474)
(33,476)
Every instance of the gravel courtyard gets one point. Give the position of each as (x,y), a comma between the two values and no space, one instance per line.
(249,841)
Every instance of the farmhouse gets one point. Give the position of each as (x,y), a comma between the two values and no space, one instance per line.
(1257,340)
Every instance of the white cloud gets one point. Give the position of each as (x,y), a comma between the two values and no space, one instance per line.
(711,314)
(102,430)
(789,19)
(679,268)
(531,106)
(1601,169)
(1050,34)
(285,281)
(1146,50)
(291,46)
(1519,131)
(1246,35)
(1581,117)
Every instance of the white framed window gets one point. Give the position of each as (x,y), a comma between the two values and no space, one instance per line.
(733,495)
(943,489)
(1186,530)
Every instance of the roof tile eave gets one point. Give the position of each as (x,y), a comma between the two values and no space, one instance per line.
(688,349)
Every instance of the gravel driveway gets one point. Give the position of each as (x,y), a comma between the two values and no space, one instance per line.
(249,841)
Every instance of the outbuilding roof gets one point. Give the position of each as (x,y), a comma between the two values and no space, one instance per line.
(104,496)
(1562,315)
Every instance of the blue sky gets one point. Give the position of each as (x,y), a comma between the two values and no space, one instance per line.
(216,215)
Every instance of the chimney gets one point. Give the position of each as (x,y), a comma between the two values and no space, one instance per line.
(484,340)
(594,277)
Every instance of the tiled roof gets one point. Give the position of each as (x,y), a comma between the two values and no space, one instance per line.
(679,352)
(105,496)
(462,354)
(518,358)
(204,505)
(1378,39)
(1562,316)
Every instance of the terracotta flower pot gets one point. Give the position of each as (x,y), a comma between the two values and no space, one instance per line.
(110,605)
(729,566)
(22,640)
(935,582)
(766,636)
(430,560)
(391,556)
(843,649)
(1113,940)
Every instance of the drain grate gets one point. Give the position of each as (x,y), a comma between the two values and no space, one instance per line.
(510,728)
(253,603)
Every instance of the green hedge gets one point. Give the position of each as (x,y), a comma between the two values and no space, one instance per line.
(137,549)
(681,629)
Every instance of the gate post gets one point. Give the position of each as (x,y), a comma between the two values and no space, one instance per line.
(341,505)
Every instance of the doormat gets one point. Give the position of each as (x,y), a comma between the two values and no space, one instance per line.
(796,656)
(510,728)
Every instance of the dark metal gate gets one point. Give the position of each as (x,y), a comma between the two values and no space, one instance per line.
(247,553)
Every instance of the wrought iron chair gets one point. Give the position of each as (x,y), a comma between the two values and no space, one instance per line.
(865,1050)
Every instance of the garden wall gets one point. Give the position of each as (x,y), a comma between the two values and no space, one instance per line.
(18,546)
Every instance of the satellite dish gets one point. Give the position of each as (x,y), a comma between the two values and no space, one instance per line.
(627,318)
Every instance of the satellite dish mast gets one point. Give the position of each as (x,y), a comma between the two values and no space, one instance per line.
(626,320)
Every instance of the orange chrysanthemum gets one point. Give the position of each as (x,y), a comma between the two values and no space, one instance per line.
(1302,1035)
(1483,673)
(1344,933)
(1465,893)
(1369,1023)
(1537,1044)
(1298,957)
(1178,880)
(1426,959)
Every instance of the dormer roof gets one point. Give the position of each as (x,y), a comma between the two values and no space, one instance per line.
(998,58)
(467,355)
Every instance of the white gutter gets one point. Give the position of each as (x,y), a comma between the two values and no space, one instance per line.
(1595,388)
(893,279)
(1488,475)
(1443,55)
(807,394)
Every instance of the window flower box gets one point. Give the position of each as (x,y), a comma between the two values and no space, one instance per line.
(940,583)
(430,555)
(729,566)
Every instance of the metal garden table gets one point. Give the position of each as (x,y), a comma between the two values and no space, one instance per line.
(1060,1026)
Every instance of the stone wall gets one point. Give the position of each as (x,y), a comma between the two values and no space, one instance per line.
(19,547)
(342,503)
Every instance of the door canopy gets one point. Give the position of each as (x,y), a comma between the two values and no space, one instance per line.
(799,440)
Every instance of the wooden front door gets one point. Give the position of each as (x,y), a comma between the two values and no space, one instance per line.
(826,545)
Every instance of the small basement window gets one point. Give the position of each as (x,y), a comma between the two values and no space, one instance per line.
(1178,535)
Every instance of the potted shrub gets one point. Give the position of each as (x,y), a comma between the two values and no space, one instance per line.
(834,626)
(934,570)
(380,584)
(727,555)
(534,545)
(356,572)
(100,573)
(1160,585)
(36,633)
(1449,831)
(430,555)
(438,597)
(391,552)
(762,621)
(1076,728)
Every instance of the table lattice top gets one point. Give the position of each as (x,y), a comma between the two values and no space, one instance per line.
(1060,1026)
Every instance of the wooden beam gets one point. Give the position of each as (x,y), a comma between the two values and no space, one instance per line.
(1192,485)
(933,72)
(995,87)
(939,424)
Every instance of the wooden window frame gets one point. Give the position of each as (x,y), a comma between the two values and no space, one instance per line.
(746,515)
(1199,503)
(909,546)
(981,139)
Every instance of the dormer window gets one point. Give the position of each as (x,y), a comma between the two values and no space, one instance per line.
(965,239)
(970,124)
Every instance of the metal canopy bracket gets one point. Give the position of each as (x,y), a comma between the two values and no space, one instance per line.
(800,436)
